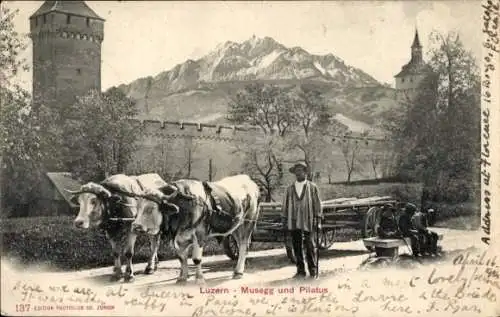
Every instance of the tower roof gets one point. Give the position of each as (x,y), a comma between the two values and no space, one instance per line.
(413,69)
(416,40)
(79,8)
(416,64)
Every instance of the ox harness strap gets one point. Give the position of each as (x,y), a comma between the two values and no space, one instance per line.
(220,222)
(217,219)
(113,207)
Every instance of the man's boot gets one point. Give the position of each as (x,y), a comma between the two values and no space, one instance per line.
(300,275)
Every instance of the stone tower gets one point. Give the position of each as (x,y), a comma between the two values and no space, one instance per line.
(411,74)
(67,37)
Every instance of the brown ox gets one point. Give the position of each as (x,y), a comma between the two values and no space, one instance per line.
(190,213)
(112,206)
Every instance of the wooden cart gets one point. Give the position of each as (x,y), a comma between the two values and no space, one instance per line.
(356,213)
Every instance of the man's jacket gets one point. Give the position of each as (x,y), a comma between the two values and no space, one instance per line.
(301,213)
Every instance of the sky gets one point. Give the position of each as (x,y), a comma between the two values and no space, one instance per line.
(144,38)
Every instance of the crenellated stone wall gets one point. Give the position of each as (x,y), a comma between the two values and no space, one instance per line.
(184,149)
(176,149)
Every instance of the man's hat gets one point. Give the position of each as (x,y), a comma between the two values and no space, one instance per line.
(298,164)
(410,208)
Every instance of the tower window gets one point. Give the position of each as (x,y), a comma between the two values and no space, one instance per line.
(44,19)
(68,19)
(78,71)
(88,21)
(402,80)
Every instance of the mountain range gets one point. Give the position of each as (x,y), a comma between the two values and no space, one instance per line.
(200,90)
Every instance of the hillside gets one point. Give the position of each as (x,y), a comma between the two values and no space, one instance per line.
(200,90)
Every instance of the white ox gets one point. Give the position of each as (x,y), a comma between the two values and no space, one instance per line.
(185,211)
(112,206)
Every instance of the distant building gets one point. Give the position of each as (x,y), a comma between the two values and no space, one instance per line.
(67,37)
(52,198)
(412,74)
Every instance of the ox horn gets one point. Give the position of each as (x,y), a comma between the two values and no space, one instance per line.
(171,196)
(175,192)
(74,192)
(125,204)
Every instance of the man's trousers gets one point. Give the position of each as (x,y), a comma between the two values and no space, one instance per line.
(299,240)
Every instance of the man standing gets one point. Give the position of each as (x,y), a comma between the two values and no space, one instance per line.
(301,211)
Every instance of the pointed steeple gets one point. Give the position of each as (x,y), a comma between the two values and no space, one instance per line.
(416,40)
(416,62)
(416,50)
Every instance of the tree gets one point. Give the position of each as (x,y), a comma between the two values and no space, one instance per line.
(99,139)
(311,120)
(458,108)
(350,149)
(262,161)
(438,133)
(266,106)
(27,138)
(377,156)
(23,149)
(166,158)
(309,110)
(12,44)
(190,150)
(298,115)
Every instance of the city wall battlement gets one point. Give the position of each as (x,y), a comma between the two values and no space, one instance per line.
(204,151)
(221,132)
(179,129)
(186,149)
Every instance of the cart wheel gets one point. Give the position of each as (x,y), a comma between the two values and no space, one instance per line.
(370,223)
(326,238)
(231,248)
(289,250)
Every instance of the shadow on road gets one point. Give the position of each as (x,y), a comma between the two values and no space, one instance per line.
(273,262)
(253,264)
(167,275)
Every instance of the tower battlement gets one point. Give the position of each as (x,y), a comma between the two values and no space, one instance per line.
(66,26)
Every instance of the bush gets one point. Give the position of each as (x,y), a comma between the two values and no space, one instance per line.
(55,242)
(446,211)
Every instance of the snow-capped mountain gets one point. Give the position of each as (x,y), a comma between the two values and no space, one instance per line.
(257,59)
(202,88)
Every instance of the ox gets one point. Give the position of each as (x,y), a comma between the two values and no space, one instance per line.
(112,206)
(192,214)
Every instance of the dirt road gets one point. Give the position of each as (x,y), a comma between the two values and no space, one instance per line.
(268,264)
(465,282)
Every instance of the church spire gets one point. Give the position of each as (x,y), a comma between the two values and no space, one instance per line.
(416,40)
(416,50)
